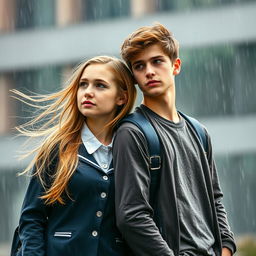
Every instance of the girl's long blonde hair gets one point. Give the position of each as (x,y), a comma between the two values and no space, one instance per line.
(62,127)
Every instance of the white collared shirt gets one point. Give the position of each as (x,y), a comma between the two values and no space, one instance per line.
(101,153)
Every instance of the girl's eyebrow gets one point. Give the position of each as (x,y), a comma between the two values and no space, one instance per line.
(101,80)
(96,80)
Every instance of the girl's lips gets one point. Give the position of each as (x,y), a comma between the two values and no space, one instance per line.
(87,104)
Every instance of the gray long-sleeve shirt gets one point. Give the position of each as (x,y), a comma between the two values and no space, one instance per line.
(193,218)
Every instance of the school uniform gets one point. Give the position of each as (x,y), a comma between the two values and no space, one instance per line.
(85,225)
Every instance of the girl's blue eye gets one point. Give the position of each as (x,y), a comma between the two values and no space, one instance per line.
(100,85)
(82,84)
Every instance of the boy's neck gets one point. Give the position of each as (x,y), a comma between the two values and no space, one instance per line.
(163,106)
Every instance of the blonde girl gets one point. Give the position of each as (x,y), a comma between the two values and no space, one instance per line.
(69,204)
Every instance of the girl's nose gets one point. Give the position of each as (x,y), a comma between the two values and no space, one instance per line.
(89,92)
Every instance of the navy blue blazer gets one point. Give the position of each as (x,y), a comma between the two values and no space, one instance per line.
(83,226)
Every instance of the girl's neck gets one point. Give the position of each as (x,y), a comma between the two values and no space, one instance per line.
(103,134)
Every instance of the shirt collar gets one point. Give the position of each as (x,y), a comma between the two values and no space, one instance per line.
(91,143)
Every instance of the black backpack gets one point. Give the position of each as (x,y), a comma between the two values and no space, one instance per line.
(141,121)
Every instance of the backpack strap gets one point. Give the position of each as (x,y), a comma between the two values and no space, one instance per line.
(138,119)
(200,132)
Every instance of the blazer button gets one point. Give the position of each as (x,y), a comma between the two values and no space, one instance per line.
(105,177)
(103,195)
(94,233)
(104,166)
(99,214)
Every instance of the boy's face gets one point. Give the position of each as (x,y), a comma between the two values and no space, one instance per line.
(154,71)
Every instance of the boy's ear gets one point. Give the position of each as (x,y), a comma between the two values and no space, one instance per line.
(177,66)
(122,98)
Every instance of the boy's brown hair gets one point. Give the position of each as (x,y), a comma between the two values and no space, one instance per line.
(146,36)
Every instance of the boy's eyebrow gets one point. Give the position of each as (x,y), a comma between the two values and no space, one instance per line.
(158,56)
(137,62)
(151,58)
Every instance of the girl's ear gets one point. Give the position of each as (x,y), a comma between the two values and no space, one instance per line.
(122,98)
(177,66)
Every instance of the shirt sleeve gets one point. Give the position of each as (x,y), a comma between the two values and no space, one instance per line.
(132,178)
(227,236)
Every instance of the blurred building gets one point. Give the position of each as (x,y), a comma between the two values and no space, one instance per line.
(40,42)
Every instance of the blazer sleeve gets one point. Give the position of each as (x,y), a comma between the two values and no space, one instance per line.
(33,220)
(132,180)
(227,236)
(34,216)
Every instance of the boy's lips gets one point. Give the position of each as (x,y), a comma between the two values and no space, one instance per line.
(152,83)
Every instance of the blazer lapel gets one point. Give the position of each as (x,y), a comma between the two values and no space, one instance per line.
(111,167)
(84,156)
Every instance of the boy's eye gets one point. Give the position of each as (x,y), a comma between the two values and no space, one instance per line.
(157,61)
(138,66)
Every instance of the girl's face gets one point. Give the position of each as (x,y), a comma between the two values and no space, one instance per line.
(98,95)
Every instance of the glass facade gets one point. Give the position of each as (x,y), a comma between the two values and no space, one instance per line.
(185,5)
(237,175)
(98,10)
(12,190)
(217,80)
(37,81)
(32,14)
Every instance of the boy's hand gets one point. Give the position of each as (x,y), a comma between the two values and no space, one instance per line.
(226,252)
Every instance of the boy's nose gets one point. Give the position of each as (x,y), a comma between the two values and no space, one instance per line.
(149,71)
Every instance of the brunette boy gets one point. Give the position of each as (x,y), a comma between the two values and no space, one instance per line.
(189,218)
